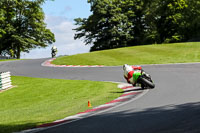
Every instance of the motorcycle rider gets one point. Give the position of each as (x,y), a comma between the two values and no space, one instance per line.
(135,74)
(130,72)
(54,50)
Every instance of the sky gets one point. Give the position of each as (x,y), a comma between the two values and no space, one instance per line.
(59,17)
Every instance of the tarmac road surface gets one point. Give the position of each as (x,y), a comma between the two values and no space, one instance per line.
(172,107)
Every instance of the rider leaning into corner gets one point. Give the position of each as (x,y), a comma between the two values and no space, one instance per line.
(54,50)
(131,73)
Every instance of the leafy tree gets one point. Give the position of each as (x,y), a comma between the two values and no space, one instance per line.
(23,26)
(117,23)
(136,11)
(5,27)
(113,24)
(191,27)
(107,27)
(173,20)
(2,18)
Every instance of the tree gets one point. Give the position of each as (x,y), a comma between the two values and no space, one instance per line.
(191,28)
(117,23)
(2,18)
(106,28)
(114,23)
(135,10)
(173,20)
(24,27)
(5,27)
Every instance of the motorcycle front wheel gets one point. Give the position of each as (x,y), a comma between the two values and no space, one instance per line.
(146,83)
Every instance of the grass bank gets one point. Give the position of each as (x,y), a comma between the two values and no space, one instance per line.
(148,54)
(35,101)
(9,59)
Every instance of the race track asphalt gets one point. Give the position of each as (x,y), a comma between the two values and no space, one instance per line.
(172,107)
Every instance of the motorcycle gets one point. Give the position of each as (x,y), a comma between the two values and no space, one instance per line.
(137,76)
(53,53)
(143,79)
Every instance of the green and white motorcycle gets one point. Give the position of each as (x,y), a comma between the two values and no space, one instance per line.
(143,79)
(136,76)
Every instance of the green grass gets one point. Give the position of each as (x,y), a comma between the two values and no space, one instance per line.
(148,54)
(35,100)
(9,59)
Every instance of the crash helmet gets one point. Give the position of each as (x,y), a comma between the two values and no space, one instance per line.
(54,47)
(126,67)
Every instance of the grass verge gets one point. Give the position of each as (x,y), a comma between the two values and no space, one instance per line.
(35,101)
(9,59)
(137,55)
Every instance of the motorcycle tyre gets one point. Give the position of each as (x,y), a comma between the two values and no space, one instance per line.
(146,83)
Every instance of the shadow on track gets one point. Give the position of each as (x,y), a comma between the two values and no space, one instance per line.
(16,127)
(183,118)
